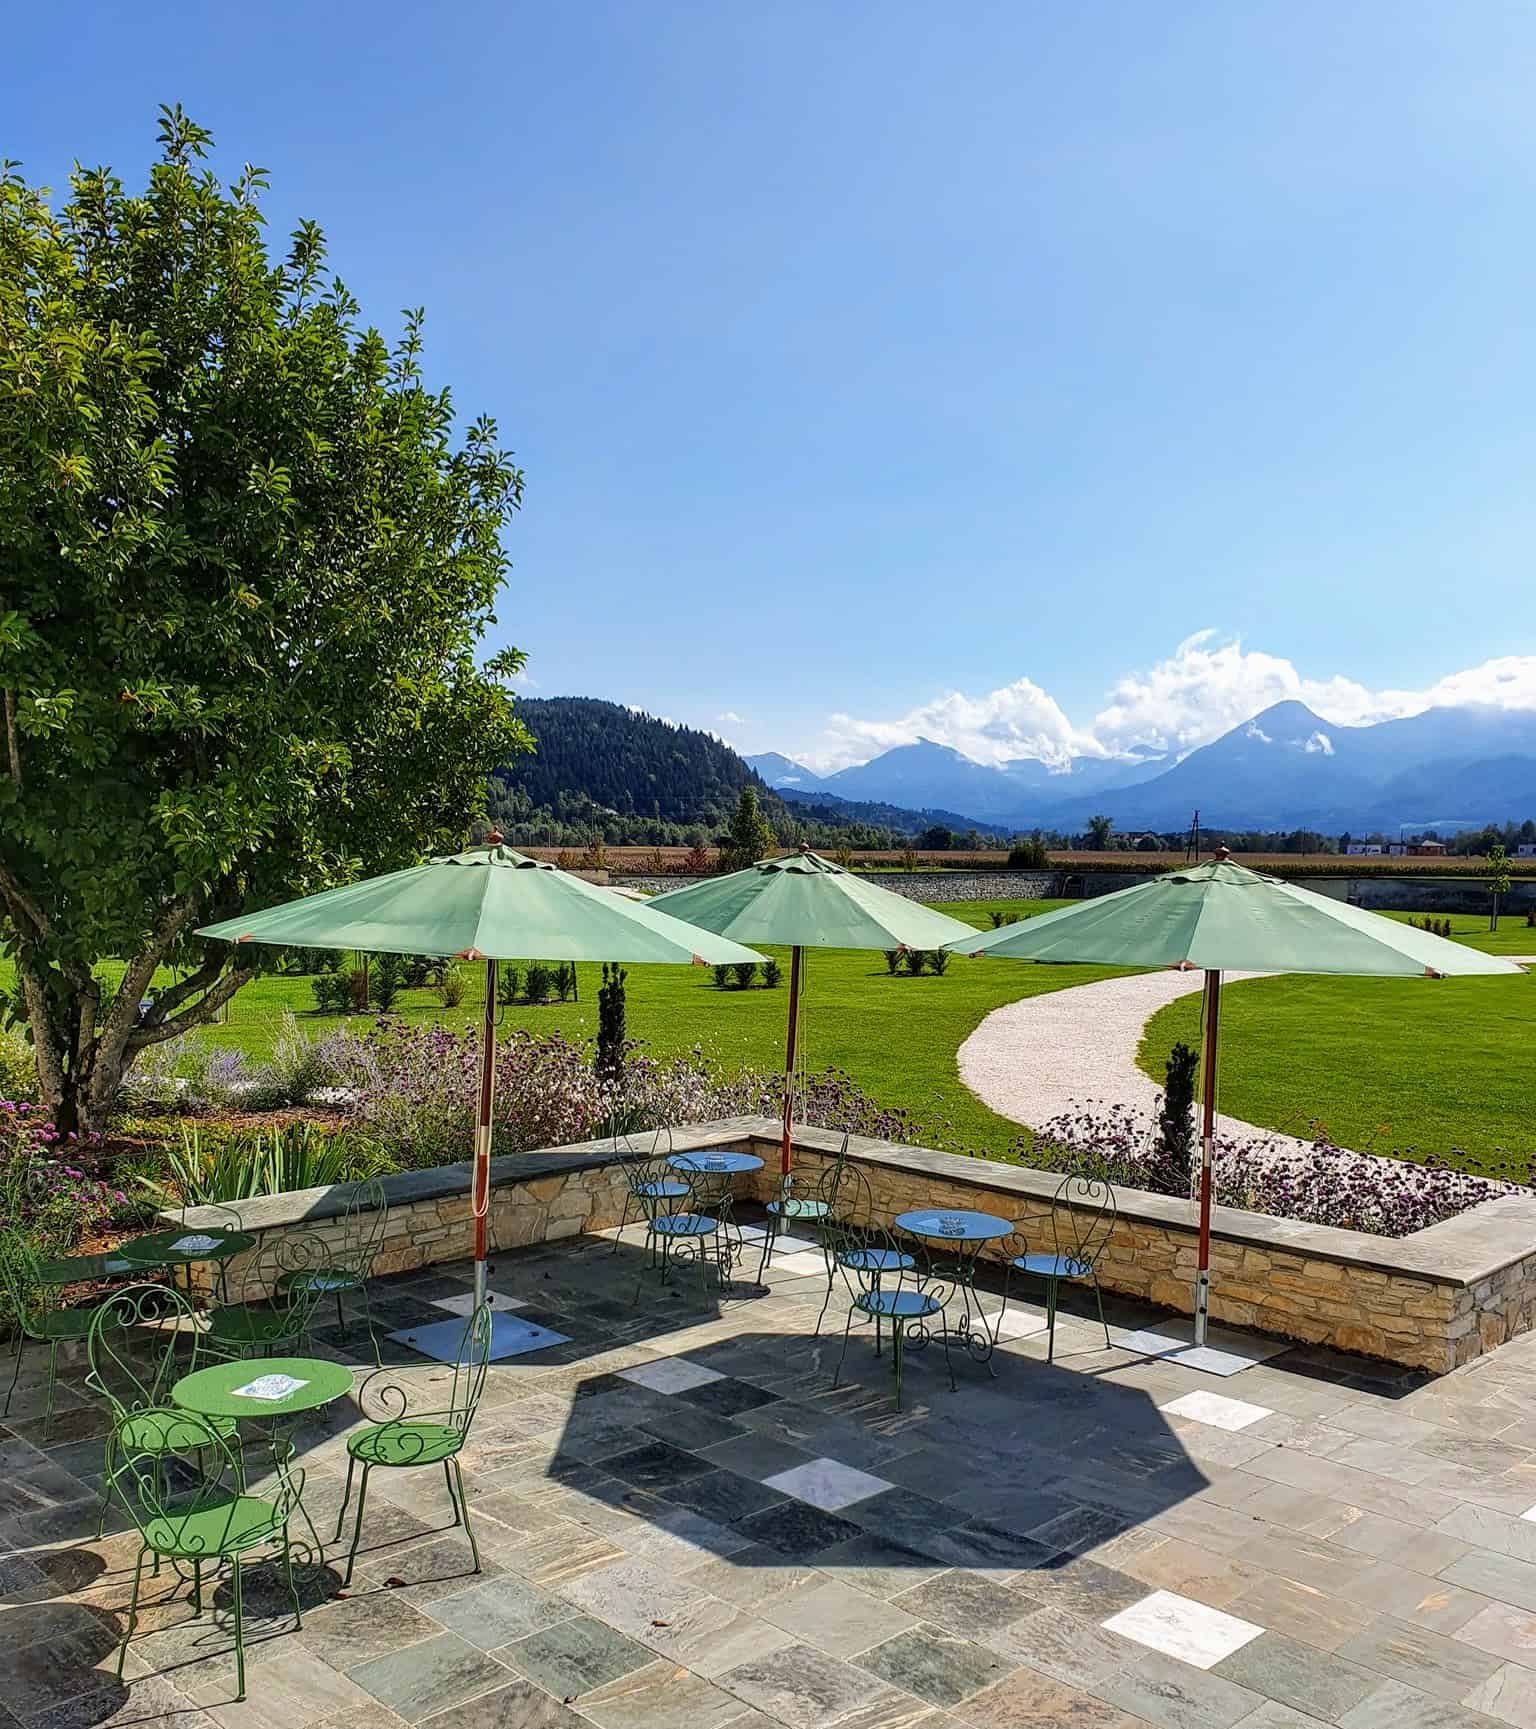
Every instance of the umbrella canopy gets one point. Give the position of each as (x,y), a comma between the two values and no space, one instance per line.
(806,901)
(487,904)
(1220,917)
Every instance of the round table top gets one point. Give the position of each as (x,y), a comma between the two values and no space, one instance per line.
(714,1164)
(216,1390)
(942,1225)
(162,1249)
(78,1269)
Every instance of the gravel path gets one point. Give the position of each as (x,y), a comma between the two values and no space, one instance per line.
(1034,1059)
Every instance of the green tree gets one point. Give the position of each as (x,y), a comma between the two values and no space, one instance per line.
(750,838)
(1498,882)
(247,567)
(1100,831)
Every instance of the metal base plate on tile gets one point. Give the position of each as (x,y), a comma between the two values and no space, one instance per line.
(443,1341)
(1224,1352)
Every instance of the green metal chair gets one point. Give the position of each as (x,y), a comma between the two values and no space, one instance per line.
(648,1179)
(846,1243)
(285,1288)
(143,1339)
(1082,1218)
(406,1440)
(884,1290)
(693,1229)
(803,1200)
(37,1315)
(207,1518)
(364,1221)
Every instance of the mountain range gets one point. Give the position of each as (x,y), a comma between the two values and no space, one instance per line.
(1285,768)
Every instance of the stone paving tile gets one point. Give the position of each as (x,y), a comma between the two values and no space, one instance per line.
(1508,1694)
(1497,1576)
(1397,1706)
(1313,1617)
(1311,1681)
(499,1612)
(1026,1700)
(836,1618)
(1062,1645)
(962,1603)
(804,1688)
(1416,1597)
(872,1563)
(937,1666)
(576,1656)
(518,1705)
(662,1696)
(1430,1662)
(355,1628)
(796,1529)
(427,1678)
(1171,1695)
(291,1692)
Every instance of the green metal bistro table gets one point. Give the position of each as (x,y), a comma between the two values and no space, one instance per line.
(275,1390)
(954,1240)
(87,1269)
(181,1247)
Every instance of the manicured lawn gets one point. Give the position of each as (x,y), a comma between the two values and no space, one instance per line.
(1386,1064)
(896,1036)
(1513,937)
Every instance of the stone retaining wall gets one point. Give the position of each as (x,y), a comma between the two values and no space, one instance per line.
(1430,1300)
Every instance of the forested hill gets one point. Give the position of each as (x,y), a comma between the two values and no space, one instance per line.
(611,759)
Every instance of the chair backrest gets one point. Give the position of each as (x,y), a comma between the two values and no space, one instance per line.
(868,1257)
(845,1189)
(1082,1218)
(288,1271)
(132,1347)
(644,1167)
(469,1372)
(20,1286)
(189,1503)
(364,1220)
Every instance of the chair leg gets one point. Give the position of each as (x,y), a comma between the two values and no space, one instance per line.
(53,1376)
(768,1240)
(346,1497)
(897,1329)
(293,1590)
(197,1589)
(825,1301)
(21,1345)
(949,1362)
(469,1530)
(373,1337)
(618,1235)
(341,1318)
(357,1528)
(847,1326)
(239,1634)
(133,1613)
(1099,1299)
(453,1499)
(1050,1320)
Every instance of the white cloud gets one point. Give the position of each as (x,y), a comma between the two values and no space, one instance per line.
(1020,719)
(1258,732)
(730,718)
(1204,688)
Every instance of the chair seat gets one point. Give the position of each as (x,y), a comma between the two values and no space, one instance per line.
(164,1429)
(251,1324)
(898,1305)
(226,1526)
(1053,1266)
(684,1225)
(798,1208)
(876,1260)
(61,1324)
(322,1279)
(662,1189)
(406,1443)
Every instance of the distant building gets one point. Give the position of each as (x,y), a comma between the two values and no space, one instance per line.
(1416,849)
(1526,849)
(1364,849)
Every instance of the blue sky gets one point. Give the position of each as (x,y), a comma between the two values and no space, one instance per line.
(935,369)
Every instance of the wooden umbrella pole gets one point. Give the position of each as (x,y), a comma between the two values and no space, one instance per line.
(785,1153)
(1207,1148)
(480,1188)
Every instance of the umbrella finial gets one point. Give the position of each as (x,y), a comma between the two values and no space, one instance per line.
(1221,855)
(805,847)
(495,837)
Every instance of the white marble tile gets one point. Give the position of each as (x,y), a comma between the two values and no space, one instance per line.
(827,1484)
(462,1305)
(670,1375)
(1179,1627)
(1019,1321)
(1217,1410)
(801,1266)
(1529,1513)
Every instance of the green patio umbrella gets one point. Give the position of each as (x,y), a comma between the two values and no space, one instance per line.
(1219,917)
(805,901)
(486,904)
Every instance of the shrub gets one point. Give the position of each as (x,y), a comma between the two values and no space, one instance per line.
(451,990)
(1028,855)
(722,977)
(540,981)
(508,981)
(51,1186)
(333,993)
(385,979)
(773,973)
(916,959)
(213,1167)
(892,960)
(565,980)
(1174,1148)
(744,972)
(611,1015)
(18,1068)
(1530,916)
(938,961)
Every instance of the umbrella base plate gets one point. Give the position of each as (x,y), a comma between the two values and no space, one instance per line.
(443,1341)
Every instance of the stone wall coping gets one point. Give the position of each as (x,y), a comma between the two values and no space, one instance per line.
(1461,1251)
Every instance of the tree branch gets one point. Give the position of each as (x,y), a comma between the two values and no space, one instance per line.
(198,1015)
(173,996)
(23,909)
(123,1016)
(12,745)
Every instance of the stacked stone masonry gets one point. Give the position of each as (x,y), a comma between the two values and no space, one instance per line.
(1431,1300)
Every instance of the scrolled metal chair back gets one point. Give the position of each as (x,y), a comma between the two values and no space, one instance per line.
(645,1167)
(470,1370)
(1083,1218)
(132,1347)
(169,1496)
(364,1222)
(287,1272)
(845,1189)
